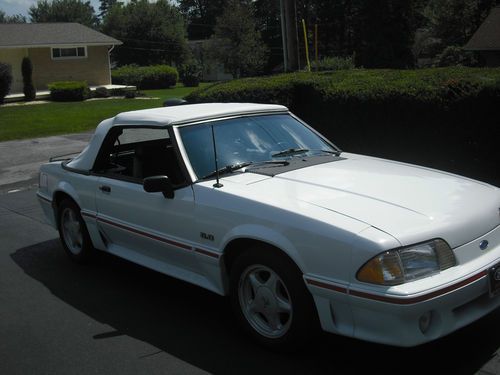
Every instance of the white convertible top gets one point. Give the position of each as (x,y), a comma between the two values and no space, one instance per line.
(164,117)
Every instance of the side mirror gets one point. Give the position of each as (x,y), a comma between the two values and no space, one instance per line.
(155,184)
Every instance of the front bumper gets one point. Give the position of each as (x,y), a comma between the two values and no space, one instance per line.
(453,299)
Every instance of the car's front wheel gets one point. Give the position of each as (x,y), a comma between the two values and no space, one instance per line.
(270,299)
(73,232)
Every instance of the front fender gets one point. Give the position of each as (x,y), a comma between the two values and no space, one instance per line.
(267,235)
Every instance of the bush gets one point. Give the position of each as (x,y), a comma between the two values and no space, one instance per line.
(146,77)
(454,55)
(333,63)
(69,91)
(28,87)
(441,117)
(130,94)
(101,92)
(5,80)
(191,73)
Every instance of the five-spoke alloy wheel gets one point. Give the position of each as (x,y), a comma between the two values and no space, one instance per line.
(73,232)
(265,301)
(270,299)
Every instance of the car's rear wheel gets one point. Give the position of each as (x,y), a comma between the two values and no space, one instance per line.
(73,232)
(270,299)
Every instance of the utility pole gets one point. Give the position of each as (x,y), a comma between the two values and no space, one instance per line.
(289,35)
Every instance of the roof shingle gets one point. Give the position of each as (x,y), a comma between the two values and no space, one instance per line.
(51,34)
(487,37)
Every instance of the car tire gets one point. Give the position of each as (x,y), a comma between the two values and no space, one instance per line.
(270,300)
(73,232)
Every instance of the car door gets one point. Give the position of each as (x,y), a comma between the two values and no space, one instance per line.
(146,228)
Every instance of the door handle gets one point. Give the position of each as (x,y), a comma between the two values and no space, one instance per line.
(105,188)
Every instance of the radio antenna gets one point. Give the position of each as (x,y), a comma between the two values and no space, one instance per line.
(217,184)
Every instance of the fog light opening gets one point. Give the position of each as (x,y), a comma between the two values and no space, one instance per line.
(425,321)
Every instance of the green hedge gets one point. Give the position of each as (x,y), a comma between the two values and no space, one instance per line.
(443,117)
(333,63)
(69,91)
(146,77)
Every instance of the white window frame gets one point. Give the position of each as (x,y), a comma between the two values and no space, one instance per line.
(69,57)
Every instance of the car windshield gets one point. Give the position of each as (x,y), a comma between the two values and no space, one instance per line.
(253,139)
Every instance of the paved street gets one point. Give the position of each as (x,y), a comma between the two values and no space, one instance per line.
(113,317)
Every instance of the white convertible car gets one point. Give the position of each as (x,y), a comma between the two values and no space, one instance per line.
(247,200)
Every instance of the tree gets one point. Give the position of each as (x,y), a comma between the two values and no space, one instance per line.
(268,21)
(28,87)
(337,24)
(5,80)
(64,11)
(16,18)
(152,33)
(236,41)
(384,34)
(201,16)
(105,6)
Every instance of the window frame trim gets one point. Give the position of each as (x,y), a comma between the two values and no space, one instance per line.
(69,57)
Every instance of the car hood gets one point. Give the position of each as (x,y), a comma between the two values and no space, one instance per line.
(408,202)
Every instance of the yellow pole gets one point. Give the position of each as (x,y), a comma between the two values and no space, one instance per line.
(306,46)
(316,45)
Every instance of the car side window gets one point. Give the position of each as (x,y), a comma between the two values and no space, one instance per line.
(137,153)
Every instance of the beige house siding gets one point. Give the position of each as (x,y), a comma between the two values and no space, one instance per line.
(94,68)
(14,58)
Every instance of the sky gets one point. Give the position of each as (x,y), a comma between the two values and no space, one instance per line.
(11,7)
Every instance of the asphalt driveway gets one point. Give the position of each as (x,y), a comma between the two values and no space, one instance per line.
(20,160)
(114,317)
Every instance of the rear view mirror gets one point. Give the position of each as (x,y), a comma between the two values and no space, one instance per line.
(155,184)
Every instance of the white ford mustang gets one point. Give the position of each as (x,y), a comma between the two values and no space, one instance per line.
(248,201)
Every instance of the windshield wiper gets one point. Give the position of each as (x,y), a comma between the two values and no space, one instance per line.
(227,169)
(336,153)
(290,152)
(234,167)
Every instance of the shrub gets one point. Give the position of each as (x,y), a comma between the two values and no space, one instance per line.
(190,73)
(440,117)
(5,80)
(146,77)
(117,92)
(455,55)
(28,87)
(101,92)
(333,63)
(130,94)
(68,91)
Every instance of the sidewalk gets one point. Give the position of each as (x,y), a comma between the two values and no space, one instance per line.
(45,94)
(20,160)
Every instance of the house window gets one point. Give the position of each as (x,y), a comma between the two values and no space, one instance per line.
(69,53)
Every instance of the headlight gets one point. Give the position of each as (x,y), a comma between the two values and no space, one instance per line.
(395,267)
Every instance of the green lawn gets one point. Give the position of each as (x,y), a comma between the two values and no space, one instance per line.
(39,120)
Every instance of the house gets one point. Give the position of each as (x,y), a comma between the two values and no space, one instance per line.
(486,40)
(58,52)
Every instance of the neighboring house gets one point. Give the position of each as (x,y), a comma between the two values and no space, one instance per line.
(486,40)
(212,70)
(58,52)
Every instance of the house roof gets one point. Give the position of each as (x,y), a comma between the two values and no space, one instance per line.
(16,35)
(487,37)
